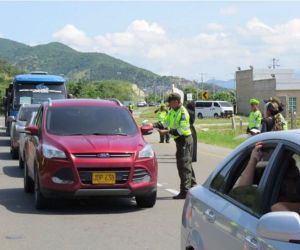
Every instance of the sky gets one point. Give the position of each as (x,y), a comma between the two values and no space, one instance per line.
(180,38)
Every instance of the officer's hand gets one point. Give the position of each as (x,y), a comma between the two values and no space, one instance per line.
(163,131)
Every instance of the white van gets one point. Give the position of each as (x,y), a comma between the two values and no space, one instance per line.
(213,109)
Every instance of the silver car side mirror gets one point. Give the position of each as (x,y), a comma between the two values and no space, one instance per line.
(11,119)
(281,226)
(20,129)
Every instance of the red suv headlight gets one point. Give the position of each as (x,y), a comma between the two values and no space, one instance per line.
(146,152)
(53,152)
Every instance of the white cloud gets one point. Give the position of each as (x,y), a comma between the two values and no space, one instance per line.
(73,36)
(255,25)
(280,39)
(229,10)
(145,27)
(216,51)
(215,27)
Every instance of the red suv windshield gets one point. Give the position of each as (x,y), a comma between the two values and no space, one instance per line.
(87,120)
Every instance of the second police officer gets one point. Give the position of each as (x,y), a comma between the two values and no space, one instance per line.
(161,114)
(255,118)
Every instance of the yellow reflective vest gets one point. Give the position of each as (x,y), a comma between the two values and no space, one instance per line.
(180,120)
(161,115)
(255,119)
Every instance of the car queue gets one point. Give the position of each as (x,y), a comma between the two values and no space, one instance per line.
(75,148)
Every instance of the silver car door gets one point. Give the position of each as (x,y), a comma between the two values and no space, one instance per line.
(242,227)
(209,226)
(228,209)
(207,229)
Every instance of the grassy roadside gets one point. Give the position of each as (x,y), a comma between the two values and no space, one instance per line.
(208,121)
(218,137)
(210,131)
(147,113)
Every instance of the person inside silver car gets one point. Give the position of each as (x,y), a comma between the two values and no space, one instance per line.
(289,195)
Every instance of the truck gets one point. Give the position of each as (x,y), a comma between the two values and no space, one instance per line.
(33,88)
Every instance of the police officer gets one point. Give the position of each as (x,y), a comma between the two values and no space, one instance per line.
(130,108)
(273,119)
(178,125)
(255,117)
(161,114)
(190,107)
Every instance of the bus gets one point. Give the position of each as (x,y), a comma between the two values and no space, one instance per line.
(33,88)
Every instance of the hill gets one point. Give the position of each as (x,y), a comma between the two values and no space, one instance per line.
(229,84)
(58,58)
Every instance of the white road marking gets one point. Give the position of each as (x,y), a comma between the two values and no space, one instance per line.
(172,191)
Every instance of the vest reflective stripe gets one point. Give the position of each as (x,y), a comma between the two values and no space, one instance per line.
(176,117)
(179,120)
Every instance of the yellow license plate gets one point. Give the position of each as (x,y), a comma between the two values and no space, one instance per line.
(104,178)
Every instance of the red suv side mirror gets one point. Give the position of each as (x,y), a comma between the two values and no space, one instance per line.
(147,129)
(32,130)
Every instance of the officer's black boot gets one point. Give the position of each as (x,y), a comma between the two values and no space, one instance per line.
(161,139)
(180,196)
(167,138)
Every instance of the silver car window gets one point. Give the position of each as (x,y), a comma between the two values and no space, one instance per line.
(287,186)
(228,182)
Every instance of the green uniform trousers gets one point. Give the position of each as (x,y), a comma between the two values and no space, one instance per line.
(184,156)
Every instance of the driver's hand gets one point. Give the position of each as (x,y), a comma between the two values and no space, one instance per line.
(256,152)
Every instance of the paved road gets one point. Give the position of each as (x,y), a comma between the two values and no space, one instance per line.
(105,224)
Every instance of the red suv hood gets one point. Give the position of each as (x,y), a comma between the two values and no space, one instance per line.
(96,144)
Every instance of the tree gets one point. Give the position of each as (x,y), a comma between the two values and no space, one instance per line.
(193,90)
(121,90)
(153,98)
(228,96)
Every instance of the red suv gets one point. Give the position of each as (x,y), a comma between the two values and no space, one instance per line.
(88,148)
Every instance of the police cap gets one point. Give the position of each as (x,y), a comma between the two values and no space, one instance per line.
(254,101)
(174,97)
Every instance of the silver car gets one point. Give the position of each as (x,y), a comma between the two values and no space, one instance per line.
(23,116)
(23,137)
(251,201)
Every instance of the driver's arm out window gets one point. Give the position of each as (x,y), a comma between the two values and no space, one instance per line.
(231,185)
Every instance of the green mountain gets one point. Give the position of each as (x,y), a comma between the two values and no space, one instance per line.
(57,58)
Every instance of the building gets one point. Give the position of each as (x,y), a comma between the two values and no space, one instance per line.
(264,83)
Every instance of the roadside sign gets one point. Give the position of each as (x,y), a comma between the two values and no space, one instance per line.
(189,96)
(205,95)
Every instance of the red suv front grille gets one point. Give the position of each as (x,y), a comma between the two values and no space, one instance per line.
(103,155)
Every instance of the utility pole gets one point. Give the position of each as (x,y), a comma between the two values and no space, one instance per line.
(154,87)
(214,86)
(202,83)
(275,63)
